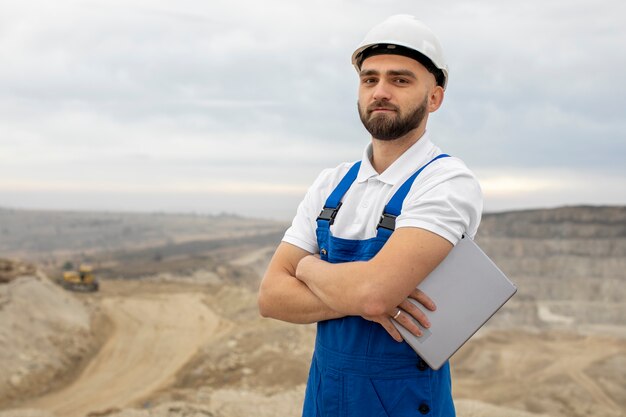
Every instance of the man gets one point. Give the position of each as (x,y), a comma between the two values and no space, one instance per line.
(343,265)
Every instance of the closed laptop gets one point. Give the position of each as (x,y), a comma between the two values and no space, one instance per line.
(468,288)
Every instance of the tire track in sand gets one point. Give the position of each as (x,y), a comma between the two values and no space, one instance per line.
(593,389)
(153,337)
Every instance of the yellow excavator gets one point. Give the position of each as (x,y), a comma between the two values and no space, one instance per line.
(82,280)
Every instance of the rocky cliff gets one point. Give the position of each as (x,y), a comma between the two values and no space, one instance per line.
(569,264)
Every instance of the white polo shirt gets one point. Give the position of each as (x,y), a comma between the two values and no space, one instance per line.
(445,198)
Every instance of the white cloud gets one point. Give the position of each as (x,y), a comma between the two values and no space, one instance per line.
(152,92)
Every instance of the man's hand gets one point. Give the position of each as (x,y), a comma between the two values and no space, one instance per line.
(305,263)
(406,309)
(385,321)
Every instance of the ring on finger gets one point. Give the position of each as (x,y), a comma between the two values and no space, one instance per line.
(397,314)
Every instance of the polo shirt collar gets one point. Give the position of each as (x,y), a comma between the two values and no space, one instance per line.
(407,163)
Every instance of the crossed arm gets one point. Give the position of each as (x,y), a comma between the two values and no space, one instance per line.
(298,287)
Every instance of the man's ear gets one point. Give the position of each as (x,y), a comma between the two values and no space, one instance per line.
(435,98)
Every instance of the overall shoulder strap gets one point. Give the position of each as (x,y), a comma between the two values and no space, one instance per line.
(333,202)
(393,208)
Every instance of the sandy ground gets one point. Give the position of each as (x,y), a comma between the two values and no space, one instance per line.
(200,349)
(45,332)
(557,373)
(153,336)
(170,354)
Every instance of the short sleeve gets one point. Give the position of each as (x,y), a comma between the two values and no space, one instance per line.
(449,203)
(301,233)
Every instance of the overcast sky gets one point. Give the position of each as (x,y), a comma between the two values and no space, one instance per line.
(236,106)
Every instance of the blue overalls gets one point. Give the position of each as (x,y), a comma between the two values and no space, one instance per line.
(358,369)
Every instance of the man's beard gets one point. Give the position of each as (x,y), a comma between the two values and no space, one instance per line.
(391,126)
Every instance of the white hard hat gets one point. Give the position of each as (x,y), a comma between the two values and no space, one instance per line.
(404,35)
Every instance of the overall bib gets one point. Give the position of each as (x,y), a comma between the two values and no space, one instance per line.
(358,369)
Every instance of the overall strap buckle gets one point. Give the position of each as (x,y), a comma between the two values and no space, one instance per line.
(329,214)
(387,221)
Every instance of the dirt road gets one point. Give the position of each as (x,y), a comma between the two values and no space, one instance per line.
(154,335)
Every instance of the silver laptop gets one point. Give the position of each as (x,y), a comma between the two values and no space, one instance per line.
(468,288)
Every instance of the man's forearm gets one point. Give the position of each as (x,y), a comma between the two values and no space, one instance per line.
(344,287)
(284,297)
(376,286)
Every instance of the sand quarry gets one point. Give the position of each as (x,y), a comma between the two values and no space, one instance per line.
(171,349)
(192,344)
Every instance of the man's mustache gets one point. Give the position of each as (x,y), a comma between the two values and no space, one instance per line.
(377,105)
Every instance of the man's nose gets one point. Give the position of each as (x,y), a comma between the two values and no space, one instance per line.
(382,91)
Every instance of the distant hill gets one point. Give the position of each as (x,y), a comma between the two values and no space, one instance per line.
(564,222)
(40,234)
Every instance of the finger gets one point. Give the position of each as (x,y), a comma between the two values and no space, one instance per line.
(391,329)
(405,320)
(415,312)
(421,297)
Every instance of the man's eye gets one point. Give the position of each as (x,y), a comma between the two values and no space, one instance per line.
(369,80)
(401,81)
